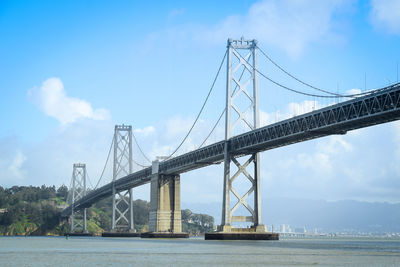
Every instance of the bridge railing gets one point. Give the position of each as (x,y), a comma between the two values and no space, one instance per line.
(210,154)
(379,107)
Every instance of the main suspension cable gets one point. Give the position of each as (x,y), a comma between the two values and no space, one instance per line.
(305,93)
(105,165)
(212,130)
(87,174)
(307,84)
(140,165)
(140,149)
(201,110)
(292,76)
(220,117)
(69,196)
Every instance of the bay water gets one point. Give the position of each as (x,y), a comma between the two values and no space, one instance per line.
(98,251)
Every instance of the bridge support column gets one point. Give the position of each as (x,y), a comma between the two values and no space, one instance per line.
(78,217)
(165,206)
(245,65)
(122,206)
(227,211)
(122,220)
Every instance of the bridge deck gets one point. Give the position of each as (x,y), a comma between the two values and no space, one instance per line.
(375,108)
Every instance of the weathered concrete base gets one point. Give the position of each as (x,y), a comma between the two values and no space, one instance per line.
(165,207)
(241,236)
(253,229)
(120,234)
(78,234)
(164,235)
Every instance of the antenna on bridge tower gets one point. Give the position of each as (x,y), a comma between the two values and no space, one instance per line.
(122,209)
(78,218)
(249,89)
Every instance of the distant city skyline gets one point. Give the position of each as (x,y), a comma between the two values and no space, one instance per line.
(71,70)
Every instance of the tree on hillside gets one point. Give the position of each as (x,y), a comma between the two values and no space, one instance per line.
(62,192)
(186,215)
(3,197)
(141,210)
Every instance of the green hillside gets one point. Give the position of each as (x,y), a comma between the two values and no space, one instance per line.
(29,210)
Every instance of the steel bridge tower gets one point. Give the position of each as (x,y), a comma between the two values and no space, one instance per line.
(242,87)
(78,218)
(122,207)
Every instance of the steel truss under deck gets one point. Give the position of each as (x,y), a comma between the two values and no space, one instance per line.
(376,108)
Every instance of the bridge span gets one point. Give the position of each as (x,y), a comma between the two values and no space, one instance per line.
(363,110)
(379,107)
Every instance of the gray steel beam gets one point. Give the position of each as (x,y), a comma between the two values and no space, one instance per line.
(78,216)
(122,205)
(376,108)
(249,48)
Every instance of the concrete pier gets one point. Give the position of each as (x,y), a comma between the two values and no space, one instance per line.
(165,206)
(78,234)
(253,233)
(241,236)
(164,235)
(120,234)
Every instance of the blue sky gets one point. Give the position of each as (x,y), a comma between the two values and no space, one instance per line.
(71,70)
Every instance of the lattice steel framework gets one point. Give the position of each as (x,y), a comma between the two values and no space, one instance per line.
(248,117)
(78,217)
(375,108)
(122,209)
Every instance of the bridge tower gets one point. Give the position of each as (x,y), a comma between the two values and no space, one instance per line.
(78,217)
(242,87)
(122,208)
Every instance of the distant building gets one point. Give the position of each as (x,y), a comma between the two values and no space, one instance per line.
(285,228)
(300,230)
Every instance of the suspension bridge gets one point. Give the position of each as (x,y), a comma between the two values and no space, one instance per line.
(359,111)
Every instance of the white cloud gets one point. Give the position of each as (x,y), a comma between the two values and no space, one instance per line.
(292,109)
(145,131)
(266,118)
(318,162)
(353,91)
(86,141)
(303,107)
(177,126)
(397,139)
(336,144)
(16,164)
(12,162)
(290,25)
(53,101)
(176,12)
(385,14)
(159,150)
(172,131)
